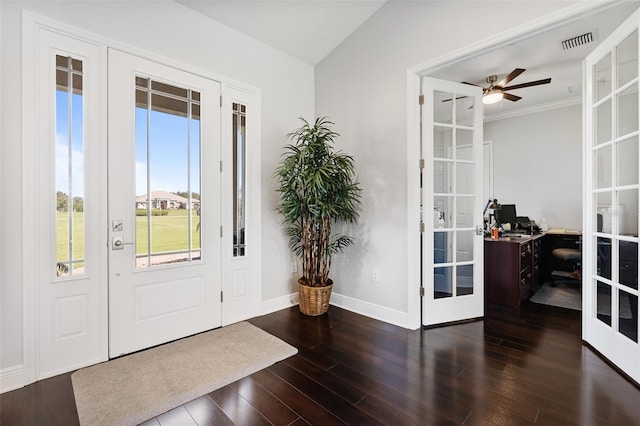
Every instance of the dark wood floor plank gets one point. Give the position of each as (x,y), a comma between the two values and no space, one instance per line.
(517,366)
(236,407)
(206,412)
(268,405)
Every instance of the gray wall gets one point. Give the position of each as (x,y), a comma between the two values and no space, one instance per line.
(538,165)
(362,86)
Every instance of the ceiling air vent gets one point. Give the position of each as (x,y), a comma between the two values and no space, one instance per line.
(576,41)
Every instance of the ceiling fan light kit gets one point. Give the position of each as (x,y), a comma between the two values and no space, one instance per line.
(492,96)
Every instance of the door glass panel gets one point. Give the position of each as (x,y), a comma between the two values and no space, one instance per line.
(628,161)
(602,122)
(464,212)
(602,167)
(239,178)
(442,107)
(627,111)
(603,302)
(628,268)
(628,212)
(627,59)
(167,174)
(442,282)
(69,167)
(603,250)
(464,280)
(628,315)
(465,182)
(602,80)
(442,177)
(464,111)
(604,209)
(442,248)
(464,245)
(442,142)
(464,144)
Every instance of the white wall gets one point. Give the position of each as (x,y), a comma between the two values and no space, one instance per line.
(361,86)
(538,165)
(175,32)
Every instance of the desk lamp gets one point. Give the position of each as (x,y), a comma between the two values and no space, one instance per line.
(493,204)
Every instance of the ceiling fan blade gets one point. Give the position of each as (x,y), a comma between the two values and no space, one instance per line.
(529,84)
(511,97)
(470,84)
(513,74)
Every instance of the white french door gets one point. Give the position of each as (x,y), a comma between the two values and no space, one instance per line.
(611,204)
(452,243)
(164,203)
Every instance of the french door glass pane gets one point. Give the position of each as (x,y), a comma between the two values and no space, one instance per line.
(628,161)
(464,280)
(628,212)
(602,78)
(442,142)
(464,144)
(443,107)
(602,167)
(604,209)
(239,178)
(167,173)
(628,111)
(628,264)
(628,315)
(627,59)
(464,245)
(603,302)
(69,167)
(442,177)
(602,121)
(442,282)
(603,250)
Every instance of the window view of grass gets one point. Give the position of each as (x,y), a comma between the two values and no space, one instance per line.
(169,233)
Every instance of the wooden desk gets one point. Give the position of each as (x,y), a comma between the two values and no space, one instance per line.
(511,269)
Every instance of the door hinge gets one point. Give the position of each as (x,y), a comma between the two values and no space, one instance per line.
(221,232)
(421,100)
(221,296)
(220,166)
(220,101)
(421,291)
(421,226)
(421,163)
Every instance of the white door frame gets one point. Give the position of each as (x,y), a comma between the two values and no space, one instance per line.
(413,129)
(31,22)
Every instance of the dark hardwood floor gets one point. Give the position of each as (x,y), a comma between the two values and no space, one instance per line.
(518,367)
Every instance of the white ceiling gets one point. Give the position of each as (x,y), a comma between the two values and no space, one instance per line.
(542,56)
(305,29)
(310,29)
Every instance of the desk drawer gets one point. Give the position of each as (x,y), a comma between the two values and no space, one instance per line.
(526,255)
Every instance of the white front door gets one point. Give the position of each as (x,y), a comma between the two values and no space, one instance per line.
(452,249)
(612,184)
(164,203)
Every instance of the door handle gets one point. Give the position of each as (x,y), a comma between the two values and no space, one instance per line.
(117,243)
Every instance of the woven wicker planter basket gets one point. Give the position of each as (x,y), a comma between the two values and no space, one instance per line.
(314,301)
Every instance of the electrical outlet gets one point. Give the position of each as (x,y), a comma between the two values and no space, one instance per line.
(375,275)
(294,267)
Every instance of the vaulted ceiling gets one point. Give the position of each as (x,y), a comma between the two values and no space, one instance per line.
(309,30)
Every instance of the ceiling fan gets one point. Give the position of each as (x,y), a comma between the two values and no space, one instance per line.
(498,91)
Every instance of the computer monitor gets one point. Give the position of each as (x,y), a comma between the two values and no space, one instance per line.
(507,214)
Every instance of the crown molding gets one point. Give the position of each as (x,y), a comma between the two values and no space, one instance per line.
(562,103)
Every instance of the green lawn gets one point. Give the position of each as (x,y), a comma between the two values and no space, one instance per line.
(168,233)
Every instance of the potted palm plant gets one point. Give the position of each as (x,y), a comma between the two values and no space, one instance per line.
(318,188)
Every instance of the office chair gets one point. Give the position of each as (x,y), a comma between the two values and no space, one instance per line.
(572,256)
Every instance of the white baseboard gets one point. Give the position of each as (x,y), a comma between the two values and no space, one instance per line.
(371,310)
(279,303)
(11,378)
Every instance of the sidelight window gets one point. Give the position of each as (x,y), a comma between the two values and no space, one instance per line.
(239,179)
(69,167)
